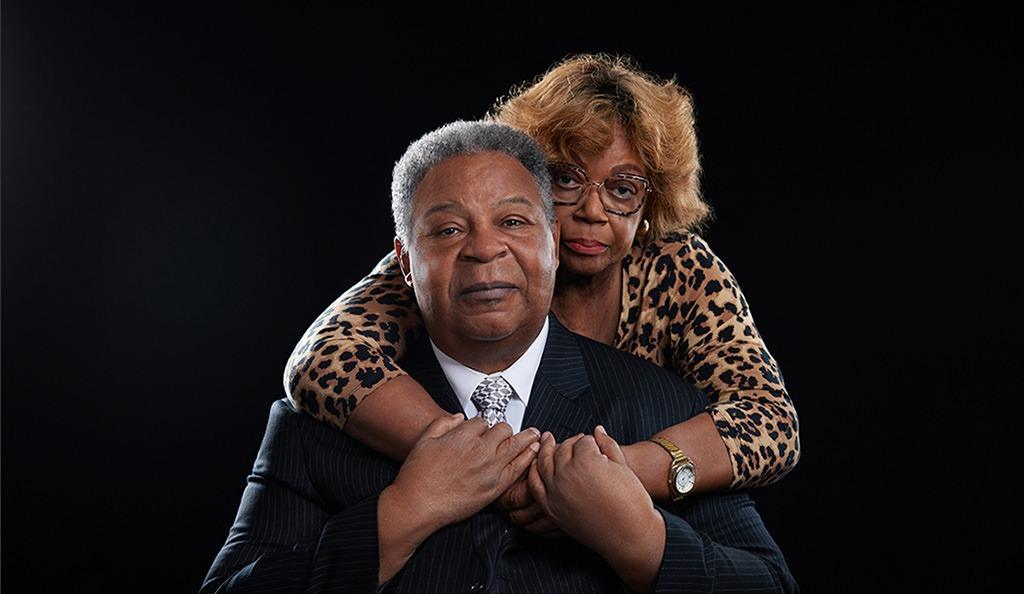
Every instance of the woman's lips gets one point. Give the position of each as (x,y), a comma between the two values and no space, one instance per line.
(587,247)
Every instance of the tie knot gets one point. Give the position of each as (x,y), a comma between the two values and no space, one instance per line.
(491,397)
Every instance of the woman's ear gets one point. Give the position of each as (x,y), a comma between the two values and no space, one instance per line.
(403,261)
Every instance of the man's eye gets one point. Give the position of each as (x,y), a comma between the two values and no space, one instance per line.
(448,231)
(514,223)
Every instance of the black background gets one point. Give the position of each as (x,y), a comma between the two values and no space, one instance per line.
(185,188)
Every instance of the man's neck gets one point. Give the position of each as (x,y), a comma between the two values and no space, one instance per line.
(491,356)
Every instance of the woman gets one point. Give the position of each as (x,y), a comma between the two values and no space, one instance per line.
(633,273)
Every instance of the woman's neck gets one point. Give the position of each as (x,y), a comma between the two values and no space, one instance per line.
(589,305)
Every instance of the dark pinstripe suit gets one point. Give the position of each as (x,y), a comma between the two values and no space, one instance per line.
(308,517)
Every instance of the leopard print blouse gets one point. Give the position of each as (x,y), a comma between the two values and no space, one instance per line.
(681,309)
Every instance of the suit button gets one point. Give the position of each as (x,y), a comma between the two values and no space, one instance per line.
(477,587)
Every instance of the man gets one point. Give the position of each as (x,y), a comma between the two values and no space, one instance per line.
(477,241)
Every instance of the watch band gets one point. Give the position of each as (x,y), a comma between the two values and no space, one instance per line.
(679,459)
(676,453)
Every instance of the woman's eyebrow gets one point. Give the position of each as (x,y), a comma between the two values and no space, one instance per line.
(628,168)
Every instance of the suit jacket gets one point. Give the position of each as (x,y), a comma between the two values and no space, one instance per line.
(308,517)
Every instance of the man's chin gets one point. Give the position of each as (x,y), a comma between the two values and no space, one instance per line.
(488,333)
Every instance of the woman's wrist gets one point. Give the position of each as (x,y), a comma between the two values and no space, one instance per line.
(650,463)
(392,417)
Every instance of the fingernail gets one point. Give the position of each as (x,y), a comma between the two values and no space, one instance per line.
(535,446)
(535,431)
(601,429)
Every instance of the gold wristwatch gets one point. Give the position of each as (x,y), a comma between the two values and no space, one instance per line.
(682,475)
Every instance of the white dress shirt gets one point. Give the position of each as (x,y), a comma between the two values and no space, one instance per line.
(519,375)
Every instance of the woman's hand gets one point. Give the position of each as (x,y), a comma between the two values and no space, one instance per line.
(585,487)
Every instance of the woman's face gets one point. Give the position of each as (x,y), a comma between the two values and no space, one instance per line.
(592,239)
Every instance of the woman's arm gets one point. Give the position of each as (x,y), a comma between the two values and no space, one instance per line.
(349,354)
(749,435)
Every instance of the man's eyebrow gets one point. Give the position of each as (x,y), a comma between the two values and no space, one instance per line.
(455,207)
(516,200)
(444,206)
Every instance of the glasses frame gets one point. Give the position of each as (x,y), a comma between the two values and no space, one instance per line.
(600,187)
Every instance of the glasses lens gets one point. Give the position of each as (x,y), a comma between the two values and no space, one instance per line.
(566,183)
(623,194)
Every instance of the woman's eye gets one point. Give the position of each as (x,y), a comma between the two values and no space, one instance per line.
(623,189)
(565,181)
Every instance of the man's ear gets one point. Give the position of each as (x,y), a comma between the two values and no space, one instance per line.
(403,260)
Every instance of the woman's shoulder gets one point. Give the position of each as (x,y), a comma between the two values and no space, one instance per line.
(685,250)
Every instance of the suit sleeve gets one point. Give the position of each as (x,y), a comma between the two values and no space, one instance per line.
(284,538)
(719,543)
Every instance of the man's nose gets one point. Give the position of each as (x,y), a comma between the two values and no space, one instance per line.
(483,246)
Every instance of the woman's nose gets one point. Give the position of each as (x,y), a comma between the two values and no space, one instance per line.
(591,206)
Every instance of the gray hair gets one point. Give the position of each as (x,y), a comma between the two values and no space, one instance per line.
(462,138)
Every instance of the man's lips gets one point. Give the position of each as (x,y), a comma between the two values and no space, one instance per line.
(587,247)
(487,291)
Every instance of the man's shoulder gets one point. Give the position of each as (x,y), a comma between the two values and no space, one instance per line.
(289,425)
(608,366)
(604,359)
(294,434)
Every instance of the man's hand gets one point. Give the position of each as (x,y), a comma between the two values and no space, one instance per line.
(458,467)
(586,488)
(523,510)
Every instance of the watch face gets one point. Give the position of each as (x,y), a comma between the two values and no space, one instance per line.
(684,479)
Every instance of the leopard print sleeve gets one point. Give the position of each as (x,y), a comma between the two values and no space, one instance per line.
(352,347)
(683,309)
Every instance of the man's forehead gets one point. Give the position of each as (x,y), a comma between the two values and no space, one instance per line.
(452,206)
(489,179)
(492,163)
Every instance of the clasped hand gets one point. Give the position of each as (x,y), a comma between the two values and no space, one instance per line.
(581,487)
(458,467)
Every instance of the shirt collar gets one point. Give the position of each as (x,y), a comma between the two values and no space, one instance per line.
(520,374)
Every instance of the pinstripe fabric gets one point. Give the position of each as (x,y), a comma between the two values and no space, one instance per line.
(308,517)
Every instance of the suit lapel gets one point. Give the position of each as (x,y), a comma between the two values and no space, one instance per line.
(422,365)
(558,399)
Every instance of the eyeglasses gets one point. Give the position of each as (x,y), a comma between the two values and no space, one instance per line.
(621,194)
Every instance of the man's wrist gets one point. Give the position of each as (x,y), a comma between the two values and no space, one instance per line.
(403,524)
(637,556)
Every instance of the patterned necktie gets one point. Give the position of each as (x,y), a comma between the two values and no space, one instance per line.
(491,397)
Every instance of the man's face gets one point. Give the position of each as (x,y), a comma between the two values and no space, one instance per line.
(483,255)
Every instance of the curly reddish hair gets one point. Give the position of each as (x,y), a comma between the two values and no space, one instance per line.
(576,106)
